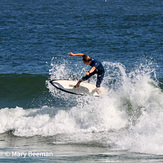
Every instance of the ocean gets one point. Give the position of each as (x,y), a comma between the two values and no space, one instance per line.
(41,124)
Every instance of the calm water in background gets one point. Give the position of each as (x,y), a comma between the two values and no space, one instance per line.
(124,125)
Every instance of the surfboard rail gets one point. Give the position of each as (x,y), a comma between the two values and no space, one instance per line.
(64,90)
(68,86)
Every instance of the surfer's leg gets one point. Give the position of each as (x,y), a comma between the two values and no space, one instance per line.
(99,80)
(98,83)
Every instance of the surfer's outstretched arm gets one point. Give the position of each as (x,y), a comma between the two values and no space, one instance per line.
(77,54)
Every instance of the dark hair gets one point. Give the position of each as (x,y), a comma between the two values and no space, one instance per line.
(86,58)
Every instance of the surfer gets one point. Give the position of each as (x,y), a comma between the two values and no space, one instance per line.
(96,68)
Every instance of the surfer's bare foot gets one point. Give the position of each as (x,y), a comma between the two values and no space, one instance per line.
(98,91)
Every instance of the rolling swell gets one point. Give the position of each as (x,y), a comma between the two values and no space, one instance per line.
(24,90)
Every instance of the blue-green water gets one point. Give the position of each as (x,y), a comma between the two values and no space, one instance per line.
(123,125)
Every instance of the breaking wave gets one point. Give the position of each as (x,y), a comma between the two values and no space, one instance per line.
(128,116)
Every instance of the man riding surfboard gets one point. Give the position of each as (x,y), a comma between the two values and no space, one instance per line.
(96,68)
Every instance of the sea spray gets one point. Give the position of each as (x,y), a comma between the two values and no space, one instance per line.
(141,97)
(133,95)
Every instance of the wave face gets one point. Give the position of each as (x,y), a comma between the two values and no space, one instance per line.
(128,116)
(21,89)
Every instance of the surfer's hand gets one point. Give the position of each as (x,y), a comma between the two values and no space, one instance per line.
(78,84)
(87,73)
(70,54)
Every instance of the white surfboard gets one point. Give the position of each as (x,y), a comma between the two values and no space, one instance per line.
(69,87)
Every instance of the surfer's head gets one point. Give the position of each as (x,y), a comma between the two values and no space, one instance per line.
(87,60)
